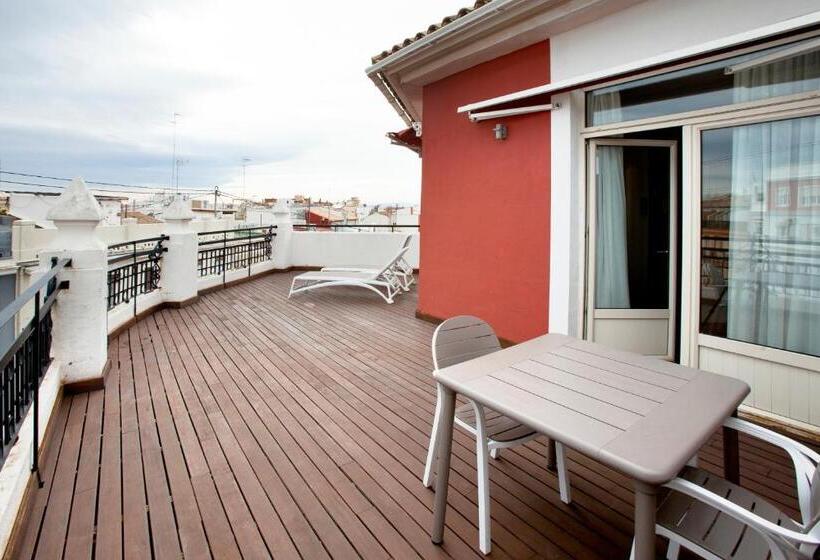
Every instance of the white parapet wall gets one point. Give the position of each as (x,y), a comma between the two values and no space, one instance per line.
(327,248)
(28,240)
(16,471)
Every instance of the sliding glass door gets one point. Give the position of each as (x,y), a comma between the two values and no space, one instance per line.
(760,234)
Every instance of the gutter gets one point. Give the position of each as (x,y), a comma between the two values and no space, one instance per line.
(488,10)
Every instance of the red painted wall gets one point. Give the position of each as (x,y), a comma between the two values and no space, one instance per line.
(486,203)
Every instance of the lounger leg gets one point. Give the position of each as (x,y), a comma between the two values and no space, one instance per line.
(563,474)
(431,451)
(673,551)
(495,452)
(482,459)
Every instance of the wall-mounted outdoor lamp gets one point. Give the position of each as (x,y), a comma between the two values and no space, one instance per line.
(500,131)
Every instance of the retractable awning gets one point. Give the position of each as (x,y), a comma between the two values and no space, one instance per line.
(542,94)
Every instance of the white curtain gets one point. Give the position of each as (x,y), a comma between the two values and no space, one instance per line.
(774,253)
(611,266)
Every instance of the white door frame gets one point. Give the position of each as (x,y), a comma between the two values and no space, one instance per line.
(590,312)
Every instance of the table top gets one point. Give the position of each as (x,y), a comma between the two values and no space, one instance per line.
(642,416)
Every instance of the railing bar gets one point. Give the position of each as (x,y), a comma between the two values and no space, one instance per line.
(20,301)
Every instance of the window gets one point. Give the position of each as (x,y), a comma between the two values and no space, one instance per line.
(809,196)
(783,70)
(783,197)
(760,265)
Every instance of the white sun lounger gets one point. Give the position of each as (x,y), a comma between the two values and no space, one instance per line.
(384,281)
(401,268)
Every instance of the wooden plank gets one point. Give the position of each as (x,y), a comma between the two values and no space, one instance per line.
(109,494)
(164,531)
(136,538)
(80,541)
(57,515)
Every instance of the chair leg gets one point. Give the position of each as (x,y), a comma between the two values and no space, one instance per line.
(563,473)
(482,460)
(431,451)
(673,551)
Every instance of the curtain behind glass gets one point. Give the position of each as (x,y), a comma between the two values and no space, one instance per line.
(774,269)
(611,278)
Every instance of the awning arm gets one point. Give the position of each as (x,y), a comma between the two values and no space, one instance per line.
(485,115)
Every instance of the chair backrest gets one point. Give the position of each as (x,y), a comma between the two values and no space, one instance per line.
(462,338)
(392,261)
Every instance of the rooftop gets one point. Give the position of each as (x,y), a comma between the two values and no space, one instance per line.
(248,424)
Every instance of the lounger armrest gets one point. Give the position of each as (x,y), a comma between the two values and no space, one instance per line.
(774,535)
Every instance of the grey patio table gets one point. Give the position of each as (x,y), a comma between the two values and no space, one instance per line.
(641,416)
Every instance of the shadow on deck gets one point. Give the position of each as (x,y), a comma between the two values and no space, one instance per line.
(250,425)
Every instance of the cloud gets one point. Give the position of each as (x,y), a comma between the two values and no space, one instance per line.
(89,88)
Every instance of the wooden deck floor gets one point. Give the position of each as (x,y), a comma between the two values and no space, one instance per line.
(248,425)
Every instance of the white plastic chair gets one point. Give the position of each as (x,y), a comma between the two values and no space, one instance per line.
(457,340)
(719,520)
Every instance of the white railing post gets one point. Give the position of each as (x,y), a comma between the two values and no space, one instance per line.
(130,229)
(79,334)
(179,275)
(22,240)
(283,241)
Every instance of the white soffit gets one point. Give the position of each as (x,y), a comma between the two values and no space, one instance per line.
(718,44)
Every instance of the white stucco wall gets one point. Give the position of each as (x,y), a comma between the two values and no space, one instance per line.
(323,248)
(655,27)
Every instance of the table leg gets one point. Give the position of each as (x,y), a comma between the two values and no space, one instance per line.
(445,442)
(645,505)
(731,454)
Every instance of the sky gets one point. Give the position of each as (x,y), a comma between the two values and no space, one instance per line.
(89,88)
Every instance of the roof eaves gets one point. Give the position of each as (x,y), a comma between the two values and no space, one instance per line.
(430,30)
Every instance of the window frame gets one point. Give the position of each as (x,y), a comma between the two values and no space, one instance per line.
(694,116)
(691,337)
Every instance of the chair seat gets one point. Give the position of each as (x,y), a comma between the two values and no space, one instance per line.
(716,532)
(499,427)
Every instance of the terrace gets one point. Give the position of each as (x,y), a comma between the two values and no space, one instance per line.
(249,425)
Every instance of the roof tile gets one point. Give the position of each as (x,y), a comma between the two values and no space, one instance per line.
(430,30)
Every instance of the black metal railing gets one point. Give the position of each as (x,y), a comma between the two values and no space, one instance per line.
(354,227)
(25,362)
(134,269)
(234,249)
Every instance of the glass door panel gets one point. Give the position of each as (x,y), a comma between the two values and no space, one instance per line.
(760,234)
(632,261)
